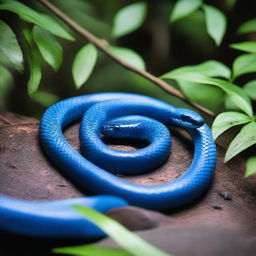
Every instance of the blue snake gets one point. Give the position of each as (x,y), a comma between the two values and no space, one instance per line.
(121,115)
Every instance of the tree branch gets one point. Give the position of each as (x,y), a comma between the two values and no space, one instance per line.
(101,45)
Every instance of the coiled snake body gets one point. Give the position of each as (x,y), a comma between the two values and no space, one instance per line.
(122,115)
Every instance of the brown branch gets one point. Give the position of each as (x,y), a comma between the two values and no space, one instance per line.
(104,47)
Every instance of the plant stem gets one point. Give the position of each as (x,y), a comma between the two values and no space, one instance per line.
(104,47)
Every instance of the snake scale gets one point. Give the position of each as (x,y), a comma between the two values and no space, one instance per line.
(121,115)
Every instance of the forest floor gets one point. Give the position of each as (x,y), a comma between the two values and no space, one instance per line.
(221,222)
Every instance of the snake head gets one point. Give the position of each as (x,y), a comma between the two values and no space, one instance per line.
(111,129)
(189,118)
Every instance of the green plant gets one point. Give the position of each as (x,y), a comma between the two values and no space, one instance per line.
(203,77)
(207,86)
(131,243)
(215,20)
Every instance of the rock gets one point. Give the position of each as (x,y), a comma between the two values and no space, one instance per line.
(196,241)
(226,195)
(136,218)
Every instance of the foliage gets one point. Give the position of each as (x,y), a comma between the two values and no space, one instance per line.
(132,244)
(34,64)
(239,97)
(227,120)
(183,8)
(244,139)
(83,64)
(250,166)
(9,48)
(247,27)
(138,13)
(48,46)
(214,18)
(130,56)
(245,46)
(202,74)
(229,92)
(29,15)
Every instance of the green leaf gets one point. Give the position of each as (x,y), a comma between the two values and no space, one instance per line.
(244,64)
(244,139)
(230,105)
(91,250)
(87,15)
(250,89)
(230,3)
(128,55)
(34,64)
(131,242)
(250,166)
(209,96)
(183,8)
(247,27)
(215,23)
(83,64)
(45,99)
(42,20)
(245,46)
(49,47)
(226,120)
(6,80)
(239,96)
(9,47)
(6,83)
(129,19)
(211,68)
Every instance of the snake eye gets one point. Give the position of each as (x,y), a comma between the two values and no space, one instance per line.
(191,118)
(192,121)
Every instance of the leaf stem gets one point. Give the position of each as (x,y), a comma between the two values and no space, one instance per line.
(104,47)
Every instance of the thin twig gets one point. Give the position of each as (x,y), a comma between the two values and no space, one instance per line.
(104,47)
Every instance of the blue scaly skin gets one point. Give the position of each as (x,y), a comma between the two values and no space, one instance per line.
(121,115)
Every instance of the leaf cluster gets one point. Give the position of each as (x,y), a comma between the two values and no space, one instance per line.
(43,45)
(205,83)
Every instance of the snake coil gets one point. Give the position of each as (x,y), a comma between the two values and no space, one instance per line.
(121,115)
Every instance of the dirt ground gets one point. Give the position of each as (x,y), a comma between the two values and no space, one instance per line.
(221,222)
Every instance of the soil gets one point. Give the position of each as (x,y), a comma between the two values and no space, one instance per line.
(221,222)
